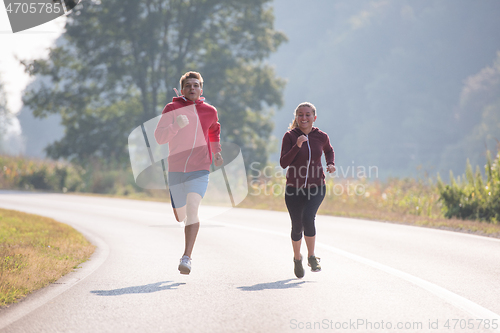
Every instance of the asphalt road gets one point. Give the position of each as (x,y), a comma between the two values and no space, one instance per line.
(376,277)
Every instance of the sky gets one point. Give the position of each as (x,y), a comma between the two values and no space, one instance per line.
(29,44)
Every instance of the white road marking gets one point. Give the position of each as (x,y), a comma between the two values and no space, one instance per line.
(457,301)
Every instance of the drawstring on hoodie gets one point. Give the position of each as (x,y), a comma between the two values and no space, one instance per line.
(197,123)
(195,135)
(308,160)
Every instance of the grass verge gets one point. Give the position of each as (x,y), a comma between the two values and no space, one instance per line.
(406,201)
(361,209)
(34,252)
(411,205)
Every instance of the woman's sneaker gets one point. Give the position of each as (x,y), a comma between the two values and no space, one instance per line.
(299,270)
(185,265)
(313,262)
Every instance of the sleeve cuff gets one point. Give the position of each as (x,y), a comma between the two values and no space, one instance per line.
(215,147)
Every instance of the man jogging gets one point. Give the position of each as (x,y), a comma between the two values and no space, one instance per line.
(192,130)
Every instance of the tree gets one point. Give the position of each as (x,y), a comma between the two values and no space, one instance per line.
(5,115)
(118,61)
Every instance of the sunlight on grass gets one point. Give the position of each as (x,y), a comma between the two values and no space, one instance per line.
(405,201)
(408,201)
(36,251)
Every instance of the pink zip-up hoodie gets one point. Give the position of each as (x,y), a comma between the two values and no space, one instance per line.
(304,163)
(191,147)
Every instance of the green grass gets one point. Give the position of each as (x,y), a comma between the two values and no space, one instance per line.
(36,251)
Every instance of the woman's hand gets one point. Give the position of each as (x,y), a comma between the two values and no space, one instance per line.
(301,139)
(331,168)
(218,159)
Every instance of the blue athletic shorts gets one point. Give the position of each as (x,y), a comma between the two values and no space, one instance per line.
(182,183)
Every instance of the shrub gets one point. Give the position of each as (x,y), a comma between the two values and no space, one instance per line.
(472,197)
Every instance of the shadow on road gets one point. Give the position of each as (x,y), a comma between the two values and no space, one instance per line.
(283,284)
(148,288)
(178,225)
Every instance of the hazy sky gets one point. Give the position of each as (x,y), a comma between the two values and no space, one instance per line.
(28,44)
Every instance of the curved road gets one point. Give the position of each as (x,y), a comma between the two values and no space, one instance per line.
(377,277)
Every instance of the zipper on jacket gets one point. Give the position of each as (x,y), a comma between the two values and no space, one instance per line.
(308,160)
(195,134)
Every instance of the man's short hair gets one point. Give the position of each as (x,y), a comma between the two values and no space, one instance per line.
(191,75)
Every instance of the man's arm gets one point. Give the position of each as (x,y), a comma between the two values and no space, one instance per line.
(215,147)
(168,126)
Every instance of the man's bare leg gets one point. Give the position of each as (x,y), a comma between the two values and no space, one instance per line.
(180,213)
(192,222)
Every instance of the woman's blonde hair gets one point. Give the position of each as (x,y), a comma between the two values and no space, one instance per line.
(294,123)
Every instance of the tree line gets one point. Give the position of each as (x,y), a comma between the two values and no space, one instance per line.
(116,64)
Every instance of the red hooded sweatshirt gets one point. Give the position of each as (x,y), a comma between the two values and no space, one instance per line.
(304,163)
(190,147)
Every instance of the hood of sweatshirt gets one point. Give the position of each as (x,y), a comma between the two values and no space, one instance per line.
(183,99)
(299,132)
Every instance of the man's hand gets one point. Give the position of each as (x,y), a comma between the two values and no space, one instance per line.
(331,168)
(218,159)
(301,139)
(182,120)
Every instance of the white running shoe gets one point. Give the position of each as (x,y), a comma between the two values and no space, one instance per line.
(185,265)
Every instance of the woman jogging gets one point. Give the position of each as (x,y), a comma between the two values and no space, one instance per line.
(301,151)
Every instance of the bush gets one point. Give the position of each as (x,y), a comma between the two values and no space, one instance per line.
(48,175)
(34,174)
(472,197)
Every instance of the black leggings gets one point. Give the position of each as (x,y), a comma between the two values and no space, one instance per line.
(302,204)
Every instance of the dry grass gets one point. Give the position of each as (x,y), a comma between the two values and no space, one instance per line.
(466,226)
(34,252)
(403,201)
(397,201)
(407,201)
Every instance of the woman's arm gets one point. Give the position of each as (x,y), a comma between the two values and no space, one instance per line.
(289,150)
(329,153)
